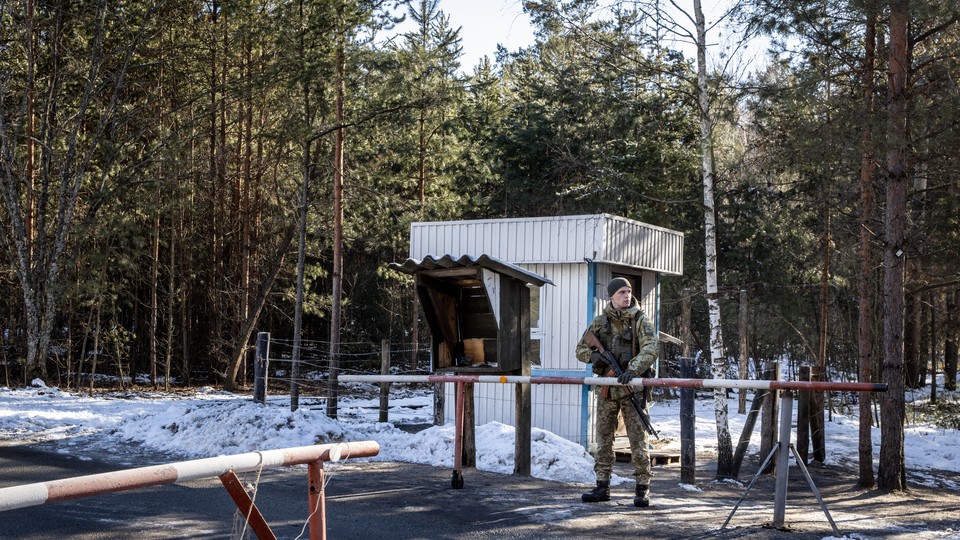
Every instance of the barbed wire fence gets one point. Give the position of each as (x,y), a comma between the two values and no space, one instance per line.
(353,358)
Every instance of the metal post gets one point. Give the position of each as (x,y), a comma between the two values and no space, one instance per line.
(317,501)
(783,460)
(261,364)
(688,419)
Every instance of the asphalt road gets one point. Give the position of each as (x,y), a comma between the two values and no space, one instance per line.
(369,500)
(403,501)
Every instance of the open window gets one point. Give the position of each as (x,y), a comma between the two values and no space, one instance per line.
(536,326)
(478,310)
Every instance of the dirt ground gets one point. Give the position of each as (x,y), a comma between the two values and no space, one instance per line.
(505,506)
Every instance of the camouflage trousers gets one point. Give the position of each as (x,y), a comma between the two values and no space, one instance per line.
(607,412)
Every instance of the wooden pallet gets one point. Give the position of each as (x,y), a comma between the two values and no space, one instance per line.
(621,449)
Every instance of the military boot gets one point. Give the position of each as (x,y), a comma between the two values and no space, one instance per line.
(643,496)
(598,494)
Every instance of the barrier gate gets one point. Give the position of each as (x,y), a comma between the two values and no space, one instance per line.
(780,448)
(224,467)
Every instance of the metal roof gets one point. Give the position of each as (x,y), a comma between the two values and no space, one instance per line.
(601,238)
(431,262)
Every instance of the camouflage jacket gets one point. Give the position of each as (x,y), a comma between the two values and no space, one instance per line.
(629,335)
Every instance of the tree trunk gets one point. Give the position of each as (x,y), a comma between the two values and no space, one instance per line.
(685,330)
(212,165)
(96,343)
(37,234)
(171,285)
(824,289)
(911,341)
(892,475)
(154,274)
(337,277)
(244,213)
(950,352)
(30,134)
(866,283)
(301,270)
(717,357)
(414,329)
(240,346)
(930,306)
(742,324)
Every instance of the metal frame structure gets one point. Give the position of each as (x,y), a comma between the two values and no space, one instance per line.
(223,467)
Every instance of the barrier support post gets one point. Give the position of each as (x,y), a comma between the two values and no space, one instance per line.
(317,501)
(457,481)
(246,505)
(783,460)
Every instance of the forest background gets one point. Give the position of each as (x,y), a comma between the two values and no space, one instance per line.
(162,160)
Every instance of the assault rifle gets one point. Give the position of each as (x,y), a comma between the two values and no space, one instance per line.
(595,344)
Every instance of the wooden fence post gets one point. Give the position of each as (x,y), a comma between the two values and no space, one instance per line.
(688,442)
(749,423)
(261,363)
(743,319)
(817,435)
(768,416)
(803,417)
(438,403)
(469,427)
(384,386)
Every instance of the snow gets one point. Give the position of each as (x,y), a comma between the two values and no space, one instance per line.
(210,422)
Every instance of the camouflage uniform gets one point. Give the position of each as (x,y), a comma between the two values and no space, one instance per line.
(629,335)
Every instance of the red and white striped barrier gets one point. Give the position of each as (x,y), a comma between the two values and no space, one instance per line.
(26,495)
(749,384)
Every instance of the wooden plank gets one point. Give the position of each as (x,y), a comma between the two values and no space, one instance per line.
(621,449)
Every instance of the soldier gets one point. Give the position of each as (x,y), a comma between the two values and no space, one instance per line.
(625,331)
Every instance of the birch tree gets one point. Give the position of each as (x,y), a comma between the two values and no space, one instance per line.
(717,357)
(80,130)
(671,20)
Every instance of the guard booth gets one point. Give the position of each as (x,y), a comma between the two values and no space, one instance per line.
(578,255)
(478,312)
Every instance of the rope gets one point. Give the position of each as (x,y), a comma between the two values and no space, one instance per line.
(253,500)
(326,481)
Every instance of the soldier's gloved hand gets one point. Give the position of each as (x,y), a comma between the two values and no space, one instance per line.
(625,377)
(599,362)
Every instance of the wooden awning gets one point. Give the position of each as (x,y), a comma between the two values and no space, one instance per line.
(431,263)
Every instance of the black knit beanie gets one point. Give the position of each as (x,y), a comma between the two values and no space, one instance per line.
(616,284)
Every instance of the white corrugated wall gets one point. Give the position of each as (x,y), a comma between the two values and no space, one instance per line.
(518,241)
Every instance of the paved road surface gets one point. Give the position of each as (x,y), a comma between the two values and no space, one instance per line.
(369,500)
(401,501)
